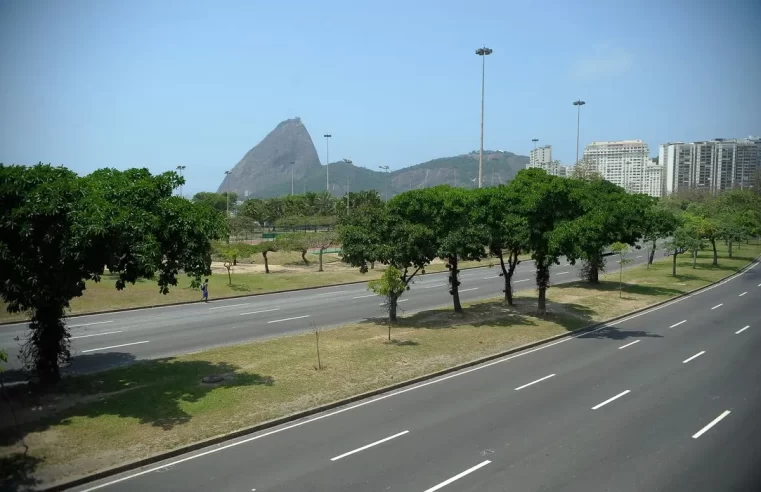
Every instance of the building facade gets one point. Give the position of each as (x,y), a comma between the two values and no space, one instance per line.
(653,179)
(714,165)
(540,157)
(621,162)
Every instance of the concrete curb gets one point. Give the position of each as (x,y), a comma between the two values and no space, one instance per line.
(239,296)
(329,406)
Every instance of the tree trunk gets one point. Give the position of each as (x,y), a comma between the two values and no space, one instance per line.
(266,262)
(372,265)
(304,256)
(542,282)
(730,248)
(594,274)
(48,343)
(694,259)
(673,266)
(715,253)
(651,255)
(321,251)
(229,275)
(507,277)
(392,307)
(454,284)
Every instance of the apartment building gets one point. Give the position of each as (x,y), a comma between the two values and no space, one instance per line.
(540,157)
(623,163)
(653,179)
(713,165)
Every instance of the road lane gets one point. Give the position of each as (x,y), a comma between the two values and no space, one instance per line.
(547,438)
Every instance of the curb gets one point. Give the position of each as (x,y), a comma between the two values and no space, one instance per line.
(329,406)
(238,296)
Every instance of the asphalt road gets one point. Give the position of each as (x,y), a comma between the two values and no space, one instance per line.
(667,400)
(108,340)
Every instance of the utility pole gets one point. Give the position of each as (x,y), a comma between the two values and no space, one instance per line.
(227,173)
(578,104)
(327,160)
(482,52)
(180,168)
(349,162)
(293,163)
(385,168)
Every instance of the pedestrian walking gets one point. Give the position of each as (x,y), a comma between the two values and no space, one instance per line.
(205,290)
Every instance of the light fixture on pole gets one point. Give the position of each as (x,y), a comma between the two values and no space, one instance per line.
(578,104)
(227,173)
(347,161)
(327,160)
(482,52)
(180,168)
(385,168)
(293,163)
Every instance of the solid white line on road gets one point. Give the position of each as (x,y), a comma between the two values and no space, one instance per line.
(561,273)
(90,324)
(362,297)
(262,311)
(628,344)
(468,290)
(693,357)
(368,446)
(114,346)
(677,324)
(741,330)
(432,286)
(742,294)
(599,405)
(287,319)
(717,306)
(524,280)
(713,422)
(96,334)
(458,476)
(489,278)
(534,382)
(229,306)
(399,392)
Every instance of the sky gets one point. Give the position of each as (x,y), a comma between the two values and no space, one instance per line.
(159,83)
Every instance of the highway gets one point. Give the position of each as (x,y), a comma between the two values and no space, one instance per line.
(665,400)
(108,340)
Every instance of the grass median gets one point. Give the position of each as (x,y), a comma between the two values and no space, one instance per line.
(101,420)
(288,273)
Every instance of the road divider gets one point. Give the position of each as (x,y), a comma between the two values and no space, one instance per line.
(287,319)
(713,422)
(229,306)
(741,330)
(369,446)
(693,357)
(458,476)
(97,334)
(261,311)
(114,346)
(742,294)
(90,324)
(717,306)
(534,382)
(600,405)
(677,324)
(628,344)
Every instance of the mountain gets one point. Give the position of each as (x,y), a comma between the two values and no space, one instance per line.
(265,171)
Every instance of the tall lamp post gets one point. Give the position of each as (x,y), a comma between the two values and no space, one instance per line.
(227,173)
(385,168)
(578,105)
(482,52)
(180,168)
(293,163)
(347,161)
(327,160)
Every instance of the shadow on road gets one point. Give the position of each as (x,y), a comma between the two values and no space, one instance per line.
(612,333)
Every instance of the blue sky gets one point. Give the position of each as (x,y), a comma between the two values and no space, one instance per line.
(107,83)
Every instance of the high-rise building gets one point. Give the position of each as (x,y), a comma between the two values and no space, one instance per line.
(540,157)
(713,165)
(622,162)
(653,178)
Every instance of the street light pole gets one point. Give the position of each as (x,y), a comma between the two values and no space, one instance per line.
(180,168)
(347,161)
(385,168)
(578,104)
(327,160)
(293,163)
(482,52)
(227,173)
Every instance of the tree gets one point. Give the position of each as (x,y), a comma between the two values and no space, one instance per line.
(322,241)
(240,225)
(378,235)
(217,201)
(450,213)
(545,203)
(58,230)
(253,209)
(685,238)
(586,169)
(391,285)
(621,250)
(659,222)
(295,241)
(267,247)
(508,231)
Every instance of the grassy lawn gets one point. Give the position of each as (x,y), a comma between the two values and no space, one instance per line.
(103,296)
(101,420)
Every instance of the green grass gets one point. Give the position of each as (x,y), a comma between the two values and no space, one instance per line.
(104,419)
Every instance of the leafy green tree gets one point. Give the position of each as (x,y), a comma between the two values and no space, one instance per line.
(546,204)
(498,209)
(659,222)
(217,201)
(357,202)
(265,248)
(253,209)
(240,225)
(621,249)
(377,235)
(322,241)
(687,237)
(449,213)
(295,241)
(59,230)
(391,285)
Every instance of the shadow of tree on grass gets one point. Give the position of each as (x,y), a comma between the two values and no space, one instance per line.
(17,472)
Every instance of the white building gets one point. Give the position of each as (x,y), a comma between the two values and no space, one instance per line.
(540,157)
(713,165)
(622,162)
(653,179)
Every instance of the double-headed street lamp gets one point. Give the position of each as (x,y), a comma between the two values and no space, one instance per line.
(227,175)
(385,168)
(578,104)
(327,161)
(347,161)
(180,168)
(482,52)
